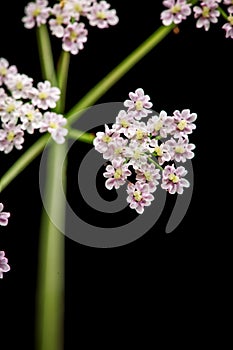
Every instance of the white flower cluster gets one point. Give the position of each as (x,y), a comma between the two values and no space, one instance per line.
(139,150)
(205,11)
(24,108)
(65,19)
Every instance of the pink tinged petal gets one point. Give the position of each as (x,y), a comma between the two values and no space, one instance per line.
(148,104)
(3,221)
(166,19)
(184,182)
(129,104)
(133,96)
(169,3)
(110,183)
(140,92)
(186,11)
(179,189)
(197,11)
(140,209)
(181,171)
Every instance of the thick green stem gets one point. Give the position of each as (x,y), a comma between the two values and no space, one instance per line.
(62,77)
(117,73)
(50,287)
(81,136)
(46,55)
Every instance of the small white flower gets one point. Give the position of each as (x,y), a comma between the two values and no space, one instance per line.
(10,110)
(11,136)
(101,16)
(54,124)
(30,117)
(20,85)
(6,70)
(45,96)
(36,13)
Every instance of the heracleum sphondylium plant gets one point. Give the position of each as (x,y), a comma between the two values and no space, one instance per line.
(141,145)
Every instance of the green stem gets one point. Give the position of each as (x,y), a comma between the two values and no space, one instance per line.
(46,55)
(223,13)
(155,163)
(100,89)
(50,287)
(81,136)
(62,77)
(51,260)
(117,73)
(23,162)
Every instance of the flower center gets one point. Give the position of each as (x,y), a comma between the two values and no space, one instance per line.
(182,124)
(59,19)
(137,154)
(139,134)
(36,12)
(53,125)
(139,105)
(106,138)
(10,108)
(19,85)
(78,8)
(43,95)
(175,9)
(137,196)
(148,176)
(230,19)
(206,11)
(158,126)
(158,151)
(179,149)
(3,71)
(118,173)
(174,178)
(30,115)
(101,15)
(124,123)
(73,35)
(118,150)
(10,136)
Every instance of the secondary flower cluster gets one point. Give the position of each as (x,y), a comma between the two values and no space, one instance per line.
(23,108)
(4,267)
(65,19)
(206,12)
(141,153)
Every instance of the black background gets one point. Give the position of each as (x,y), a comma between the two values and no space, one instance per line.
(160,280)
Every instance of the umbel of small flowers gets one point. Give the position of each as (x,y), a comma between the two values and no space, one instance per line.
(143,146)
(205,11)
(65,19)
(24,108)
(4,267)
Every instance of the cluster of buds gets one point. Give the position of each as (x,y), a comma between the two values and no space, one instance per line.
(142,153)
(24,108)
(65,19)
(205,11)
(4,267)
